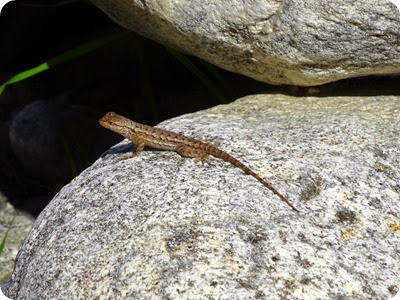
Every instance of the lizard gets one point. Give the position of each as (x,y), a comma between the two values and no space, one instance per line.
(143,135)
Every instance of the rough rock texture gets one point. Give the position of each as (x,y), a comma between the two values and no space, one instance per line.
(17,230)
(306,42)
(160,226)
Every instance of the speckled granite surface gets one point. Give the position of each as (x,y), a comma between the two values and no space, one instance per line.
(163,226)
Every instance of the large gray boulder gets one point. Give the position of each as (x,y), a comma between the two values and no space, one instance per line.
(161,226)
(302,42)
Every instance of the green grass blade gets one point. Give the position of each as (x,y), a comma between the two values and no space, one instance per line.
(23,75)
(62,58)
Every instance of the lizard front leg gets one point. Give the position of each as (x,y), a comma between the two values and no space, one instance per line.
(139,148)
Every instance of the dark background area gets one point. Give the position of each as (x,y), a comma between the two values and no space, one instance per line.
(49,128)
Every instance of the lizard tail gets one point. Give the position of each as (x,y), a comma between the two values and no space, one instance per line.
(228,158)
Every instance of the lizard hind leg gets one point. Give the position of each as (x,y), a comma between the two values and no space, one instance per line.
(185,151)
(202,157)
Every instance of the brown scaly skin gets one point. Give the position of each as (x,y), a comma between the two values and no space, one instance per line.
(143,135)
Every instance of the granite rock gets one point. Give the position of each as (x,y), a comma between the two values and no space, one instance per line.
(302,42)
(162,226)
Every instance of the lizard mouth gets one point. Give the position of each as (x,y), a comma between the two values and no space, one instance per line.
(103,121)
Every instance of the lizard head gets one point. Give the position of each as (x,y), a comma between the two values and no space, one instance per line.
(109,120)
(116,123)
